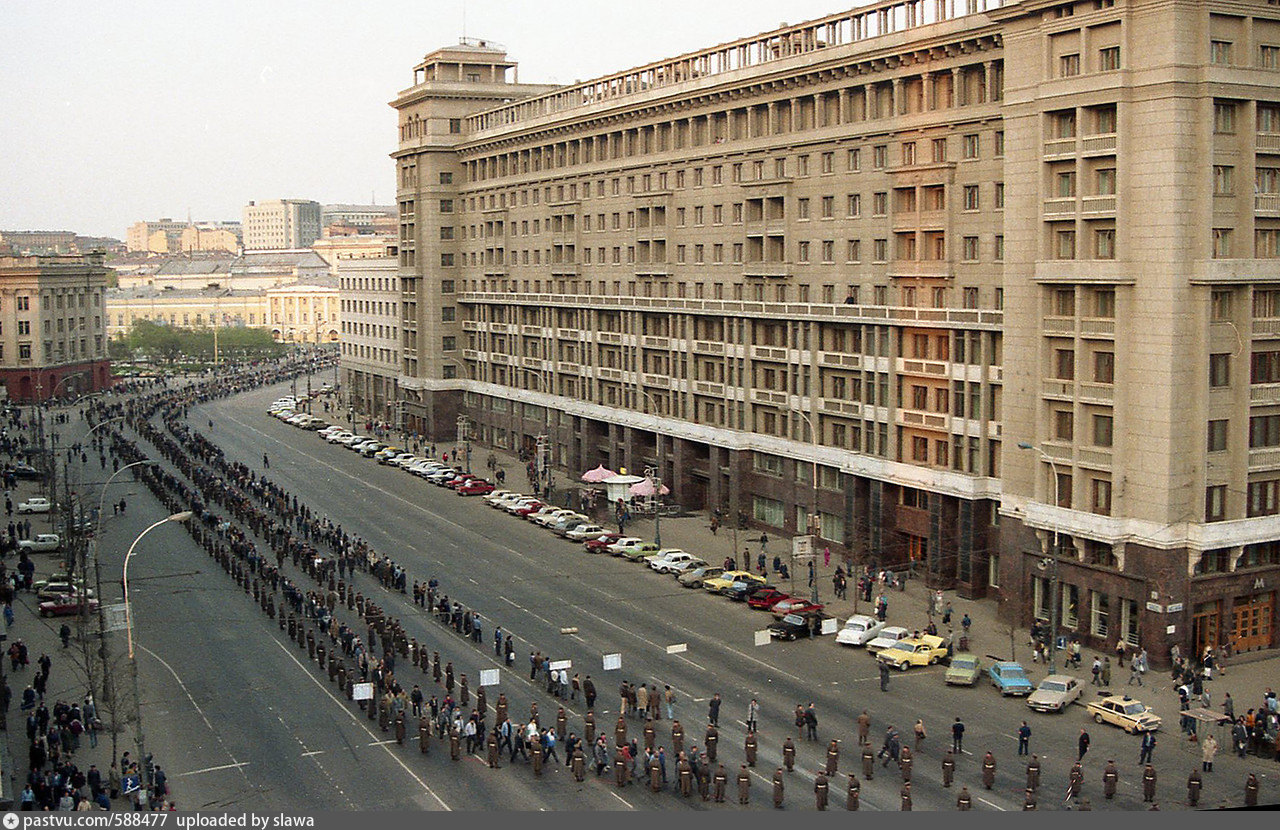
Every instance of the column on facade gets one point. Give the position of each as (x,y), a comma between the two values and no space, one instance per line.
(928,94)
(895,102)
(989,76)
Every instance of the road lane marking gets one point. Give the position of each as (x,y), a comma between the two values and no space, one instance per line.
(306,671)
(989,804)
(314,752)
(236,765)
(623,800)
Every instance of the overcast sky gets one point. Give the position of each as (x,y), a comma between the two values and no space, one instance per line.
(120,111)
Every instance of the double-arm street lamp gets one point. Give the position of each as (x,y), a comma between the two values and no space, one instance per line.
(1052,561)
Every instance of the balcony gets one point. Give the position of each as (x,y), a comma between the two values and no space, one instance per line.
(1100,392)
(1060,207)
(926,268)
(1060,147)
(1267,204)
(1094,458)
(1099,143)
(850,409)
(1060,325)
(650,342)
(1098,204)
(766,269)
(840,360)
(708,347)
(703,387)
(1264,459)
(534,331)
(768,353)
(1264,393)
(766,396)
(659,381)
(1057,388)
(609,338)
(1099,327)
(927,368)
(1268,142)
(605,373)
(921,418)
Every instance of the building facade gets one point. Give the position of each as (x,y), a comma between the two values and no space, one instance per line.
(305,312)
(832,278)
(280,223)
(52,334)
(370,349)
(186,308)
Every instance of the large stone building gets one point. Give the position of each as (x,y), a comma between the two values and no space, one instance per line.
(370,350)
(52,334)
(280,223)
(185,308)
(848,268)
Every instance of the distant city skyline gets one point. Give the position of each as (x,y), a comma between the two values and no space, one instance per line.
(118,112)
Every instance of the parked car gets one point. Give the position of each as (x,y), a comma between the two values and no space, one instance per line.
(1010,678)
(622,544)
(42,543)
(1124,712)
(582,533)
(766,598)
(66,605)
(718,584)
(57,587)
(25,470)
(340,437)
(695,577)
(601,543)
(794,605)
(568,522)
(741,591)
(495,496)
(924,650)
(859,630)
(640,552)
(36,504)
(965,669)
(475,487)
(886,638)
(1055,693)
(680,568)
(795,626)
(665,560)
(548,515)
(524,509)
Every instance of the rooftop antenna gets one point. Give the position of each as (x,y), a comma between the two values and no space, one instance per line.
(464,20)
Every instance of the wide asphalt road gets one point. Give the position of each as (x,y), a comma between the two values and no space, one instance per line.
(533,584)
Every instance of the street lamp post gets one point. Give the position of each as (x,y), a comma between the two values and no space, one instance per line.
(128,624)
(1053,562)
(813,518)
(655,481)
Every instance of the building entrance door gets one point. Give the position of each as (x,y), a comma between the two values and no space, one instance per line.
(1204,626)
(1251,619)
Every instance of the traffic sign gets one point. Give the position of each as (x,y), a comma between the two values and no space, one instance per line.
(489,677)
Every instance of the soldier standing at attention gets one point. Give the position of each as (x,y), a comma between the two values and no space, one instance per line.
(905,796)
(713,738)
(820,787)
(853,792)
(677,737)
(655,773)
(1149,783)
(1250,789)
(722,779)
(685,774)
(789,753)
(948,768)
(868,763)
(988,770)
(833,757)
(751,748)
(1033,773)
(964,801)
(777,789)
(578,764)
(744,785)
(1110,776)
(905,763)
(864,728)
(1193,788)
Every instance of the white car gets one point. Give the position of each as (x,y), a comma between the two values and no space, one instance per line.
(888,636)
(859,630)
(584,532)
(339,436)
(508,499)
(498,495)
(43,542)
(368,448)
(298,419)
(35,505)
(352,439)
(423,468)
(442,475)
(549,516)
(407,460)
(666,561)
(333,429)
(514,506)
(620,547)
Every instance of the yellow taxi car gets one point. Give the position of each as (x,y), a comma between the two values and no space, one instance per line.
(1124,712)
(924,650)
(716,585)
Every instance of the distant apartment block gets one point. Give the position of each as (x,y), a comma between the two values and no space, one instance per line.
(281,223)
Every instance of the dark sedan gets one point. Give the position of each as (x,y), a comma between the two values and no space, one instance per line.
(795,626)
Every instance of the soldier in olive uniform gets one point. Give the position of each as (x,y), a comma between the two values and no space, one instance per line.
(703,773)
(482,702)
(455,746)
(721,780)
(620,766)
(905,763)
(424,734)
(1076,785)
(448,677)
(677,737)
(562,725)
(501,707)
(868,763)
(833,757)
(713,738)
(535,755)
(1110,776)
(744,785)
(685,773)
(864,728)
(853,793)
(1193,788)
(435,666)
(948,768)
(1029,800)
(1149,784)
(777,789)
(1250,789)
(492,748)
(578,764)
(789,754)
(905,796)
(655,774)
(964,801)
(464,691)
(988,770)
(400,728)
(820,788)
(589,730)
(620,731)
(649,735)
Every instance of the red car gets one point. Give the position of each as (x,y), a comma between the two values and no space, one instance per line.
(455,483)
(529,508)
(766,598)
(598,544)
(795,605)
(66,605)
(475,487)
